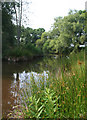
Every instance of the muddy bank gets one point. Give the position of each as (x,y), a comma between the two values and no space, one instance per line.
(21,59)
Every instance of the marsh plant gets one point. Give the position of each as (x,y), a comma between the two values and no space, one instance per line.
(63,95)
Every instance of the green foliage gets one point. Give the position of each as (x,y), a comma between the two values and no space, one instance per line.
(46,46)
(29,35)
(65,31)
(63,96)
(8,28)
(43,106)
(40,42)
(23,51)
(10,46)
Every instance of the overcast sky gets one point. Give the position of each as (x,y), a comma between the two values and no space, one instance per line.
(43,12)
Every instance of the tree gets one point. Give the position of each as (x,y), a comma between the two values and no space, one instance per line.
(65,32)
(45,46)
(8,28)
(71,30)
(18,14)
(30,35)
(44,38)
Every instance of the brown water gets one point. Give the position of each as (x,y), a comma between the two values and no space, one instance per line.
(12,72)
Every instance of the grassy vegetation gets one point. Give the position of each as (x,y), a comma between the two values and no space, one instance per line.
(23,51)
(62,96)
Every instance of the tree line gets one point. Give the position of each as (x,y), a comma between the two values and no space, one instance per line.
(16,39)
(65,36)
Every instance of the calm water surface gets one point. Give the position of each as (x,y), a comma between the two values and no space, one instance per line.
(15,74)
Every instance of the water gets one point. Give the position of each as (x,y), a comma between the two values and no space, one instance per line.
(15,75)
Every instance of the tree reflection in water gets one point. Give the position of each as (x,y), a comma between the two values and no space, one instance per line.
(24,81)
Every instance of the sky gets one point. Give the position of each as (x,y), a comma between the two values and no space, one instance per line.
(41,13)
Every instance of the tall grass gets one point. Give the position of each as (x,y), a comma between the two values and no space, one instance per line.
(63,95)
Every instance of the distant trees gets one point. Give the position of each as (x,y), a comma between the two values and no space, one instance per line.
(16,39)
(30,35)
(42,41)
(12,20)
(66,35)
(10,13)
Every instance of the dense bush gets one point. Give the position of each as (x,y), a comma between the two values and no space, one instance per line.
(27,50)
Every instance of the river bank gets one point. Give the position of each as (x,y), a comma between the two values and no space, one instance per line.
(30,58)
(65,81)
(21,59)
(57,96)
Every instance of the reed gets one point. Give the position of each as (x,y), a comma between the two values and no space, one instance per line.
(63,95)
